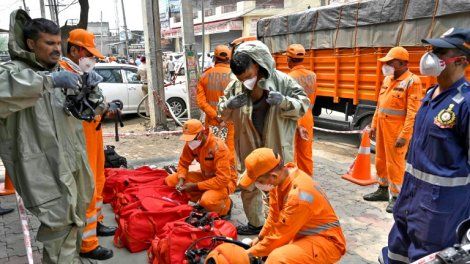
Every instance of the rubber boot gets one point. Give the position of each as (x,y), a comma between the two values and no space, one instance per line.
(390,205)
(380,195)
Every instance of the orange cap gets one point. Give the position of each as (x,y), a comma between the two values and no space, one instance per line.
(222,52)
(259,162)
(85,39)
(190,129)
(228,253)
(296,51)
(396,53)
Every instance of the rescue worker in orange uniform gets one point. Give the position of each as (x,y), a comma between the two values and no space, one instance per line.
(303,155)
(81,55)
(392,125)
(301,227)
(212,185)
(210,87)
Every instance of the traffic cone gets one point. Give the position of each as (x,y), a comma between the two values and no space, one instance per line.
(7,187)
(359,172)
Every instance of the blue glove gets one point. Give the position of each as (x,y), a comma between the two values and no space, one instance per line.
(66,79)
(237,101)
(94,79)
(275,98)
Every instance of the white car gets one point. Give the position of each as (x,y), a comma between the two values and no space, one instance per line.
(120,82)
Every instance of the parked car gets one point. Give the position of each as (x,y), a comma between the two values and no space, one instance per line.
(120,82)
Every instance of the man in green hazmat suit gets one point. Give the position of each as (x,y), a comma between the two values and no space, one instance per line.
(42,148)
(264,105)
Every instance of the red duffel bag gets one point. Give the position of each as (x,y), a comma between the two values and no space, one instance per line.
(170,246)
(118,180)
(141,221)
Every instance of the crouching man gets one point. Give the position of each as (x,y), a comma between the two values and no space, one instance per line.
(301,227)
(217,179)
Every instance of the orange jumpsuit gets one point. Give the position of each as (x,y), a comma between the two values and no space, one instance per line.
(217,178)
(394,118)
(96,160)
(301,227)
(210,87)
(303,155)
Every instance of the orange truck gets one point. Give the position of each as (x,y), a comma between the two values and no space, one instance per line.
(343,43)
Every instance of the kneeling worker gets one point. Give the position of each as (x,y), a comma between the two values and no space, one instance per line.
(217,179)
(301,227)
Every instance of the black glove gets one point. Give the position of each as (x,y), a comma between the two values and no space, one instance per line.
(238,101)
(67,80)
(274,98)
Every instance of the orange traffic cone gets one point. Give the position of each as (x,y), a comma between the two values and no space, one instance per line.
(7,187)
(360,169)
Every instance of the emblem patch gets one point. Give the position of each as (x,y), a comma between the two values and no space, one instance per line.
(446,117)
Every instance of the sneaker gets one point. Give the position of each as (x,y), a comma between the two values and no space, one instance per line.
(380,195)
(248,230)
(390,205)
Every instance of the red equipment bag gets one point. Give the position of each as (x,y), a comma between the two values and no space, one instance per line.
(169,247)
(141,221)
(118,180)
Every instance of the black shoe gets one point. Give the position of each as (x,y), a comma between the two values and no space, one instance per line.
(99,253)
(248,230)
(102,230)
(4,211)
(380,195)
(391,204)
(229,214)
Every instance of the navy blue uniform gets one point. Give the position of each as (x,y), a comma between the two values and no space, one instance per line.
(435,196)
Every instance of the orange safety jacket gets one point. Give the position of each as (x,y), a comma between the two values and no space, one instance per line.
(307,79)
(298,208)
(217,166)
(210,87)
(399,100)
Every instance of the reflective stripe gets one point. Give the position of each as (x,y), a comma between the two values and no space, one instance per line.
(437,180)
(398,257)
(91,220)
(458,98)
(310,106)
(394,112)
(99,204)
(88,234)
(317,230)
(382,181)
(395,189)
(305,196)
(364,150)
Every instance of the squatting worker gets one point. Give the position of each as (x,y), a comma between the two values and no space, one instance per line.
(392,125)
(81,57)
(42,148)
(264,104)
(303,144)
(212,185)
(210,87)
(301,227)
(436,189)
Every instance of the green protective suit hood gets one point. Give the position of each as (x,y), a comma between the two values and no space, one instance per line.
(259,52)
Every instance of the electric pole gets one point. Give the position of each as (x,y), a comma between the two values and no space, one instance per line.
(126,52)
(191,56)
(43,10)
(101,31)
(153,54)
(25,7)
(203,39)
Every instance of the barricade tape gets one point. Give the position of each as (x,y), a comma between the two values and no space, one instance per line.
(25,227)
(339,131)
(160,133)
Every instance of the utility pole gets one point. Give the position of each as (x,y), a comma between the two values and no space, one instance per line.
(126,52)
(51,10)
(203,39)
(56,12)
(191,56)
(101,31)
(153,53)
(43,10)
(25,7)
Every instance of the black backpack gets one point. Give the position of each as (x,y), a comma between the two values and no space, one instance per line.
(112,159)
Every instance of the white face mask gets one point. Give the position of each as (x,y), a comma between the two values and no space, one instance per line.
(86,64)
(250,83)
(431,65)
(264,187)
(194,144)
(388,70)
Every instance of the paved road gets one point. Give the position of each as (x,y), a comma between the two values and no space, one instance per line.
(365,225)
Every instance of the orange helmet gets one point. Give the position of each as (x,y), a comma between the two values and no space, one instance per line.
(296,51)
(222,52)
(228,254)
